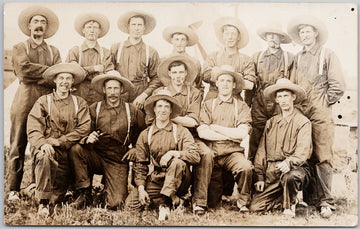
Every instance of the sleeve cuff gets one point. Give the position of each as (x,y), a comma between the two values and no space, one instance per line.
(260,177)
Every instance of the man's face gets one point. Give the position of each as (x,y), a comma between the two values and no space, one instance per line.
(177,75)
(308,35)
(91,30)
(112,90)
(273,40)
(230,36)
(37,26)
(136,27)
(285,99)
(179,41)
(225,84)
(162,110)
(64,82)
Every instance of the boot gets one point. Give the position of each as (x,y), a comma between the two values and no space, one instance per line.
(83,200)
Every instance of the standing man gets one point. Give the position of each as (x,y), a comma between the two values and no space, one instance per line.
(30,59)
(281,168)
(55,123)
(318,71)
(224,123)
(270,64)
(115,125)
(232,33)
(135,60)
(90,55)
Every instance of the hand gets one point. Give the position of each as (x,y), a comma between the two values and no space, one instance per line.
(53,141)
(259,186)
(283,166)
(167,157)
(130,155)
(248,85)
(99,68)
(47,149)
(140,100)
(143,195)
(93,137)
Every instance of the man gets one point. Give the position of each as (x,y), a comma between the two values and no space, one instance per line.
(134,59)
(224,123)
(30,59)
(115,125)
(232,33)
(55,123)
(281,168)
(171,149)
(181,37)
(94,59)
(270,64)
(318,71)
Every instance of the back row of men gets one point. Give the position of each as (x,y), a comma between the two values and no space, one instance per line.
(65,136)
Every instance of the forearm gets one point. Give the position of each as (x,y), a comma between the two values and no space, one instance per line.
(206,133)
(185,121)
(234,133)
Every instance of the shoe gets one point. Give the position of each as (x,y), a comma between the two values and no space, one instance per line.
(198,210)
(83,200)
(177,201)
(43,210)
(13,197)
(300,200)
(164,213)
(242,208)
(29,191)
(325,212)
(289,213)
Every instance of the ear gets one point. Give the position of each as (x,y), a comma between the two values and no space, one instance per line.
(217,83)
(82,30)
(294,97)
(104,89)
(169,73)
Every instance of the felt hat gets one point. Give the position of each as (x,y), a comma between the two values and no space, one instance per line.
(98,81)
(221,22)
(74,69)
(273,28)
(123,22)
(163,94)
(99,18)
(227,69)
(283,83)
(191,35)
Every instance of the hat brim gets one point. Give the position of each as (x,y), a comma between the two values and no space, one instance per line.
(99,18)
(74,69)
(239,81)
(221,22)
(293,28)
(98,82)
(150,102)
(164,65)
(284,38)
(26,15)
(270,91)
(191,35)
(123,22)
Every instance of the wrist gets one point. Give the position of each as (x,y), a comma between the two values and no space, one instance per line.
(141,188)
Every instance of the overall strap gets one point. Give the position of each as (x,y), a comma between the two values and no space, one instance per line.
(321,61)
(119,52)
(258,62)
(236,113)
(188,95)
(285,54)
(51,54)
(80,55)
(147,53)
(98,105)
(127,108)
(75,103)
(48,99)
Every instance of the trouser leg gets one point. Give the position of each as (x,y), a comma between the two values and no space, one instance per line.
(63,176)
(255,137)
(45,171)
(215,189)
(266,200)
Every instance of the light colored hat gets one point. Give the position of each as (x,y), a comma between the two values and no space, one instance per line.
(123,22)
(162,95)
(221,22)
(164,68)
(26,15)
(273,28)
(99,18)
(191,35)
(293,28)
(283,83)
(98,81)
(74,69)
(228,69)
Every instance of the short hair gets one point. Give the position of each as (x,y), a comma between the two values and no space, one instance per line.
(105,82)
(137,16)
(284,89)
(176,63)
(300,27)
(92,22)
(226,26)
(38,15)
(163,100)
(178,33)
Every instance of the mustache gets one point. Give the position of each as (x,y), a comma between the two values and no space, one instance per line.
(41,29)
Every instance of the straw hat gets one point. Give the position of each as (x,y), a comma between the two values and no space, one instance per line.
(98,81)
(162,95)
(227,69)
(273,28)
(123,22)
(221,22)
(293,28)
(191,35)
(26,15)
(283,83)
(82,19)
(74,69)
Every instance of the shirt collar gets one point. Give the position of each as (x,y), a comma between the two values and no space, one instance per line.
(277,54)
(108,107)
(57,98)
(85,47)
(168,127)
(33,45)
(288,118)
(313,50)
(173,92)
(137,46)
(230,100)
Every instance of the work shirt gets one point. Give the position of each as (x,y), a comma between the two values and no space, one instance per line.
(223,114)
(284,138)
(133,64)
(162,141)
(62,124)
(29,67)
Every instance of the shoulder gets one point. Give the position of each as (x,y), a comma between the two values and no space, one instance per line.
(81,101)
(53,48)
(105,49)
(242,104)
(301,119)
(194,91)
(20,45)
(182,130)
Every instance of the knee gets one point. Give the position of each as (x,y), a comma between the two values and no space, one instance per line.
(177,163)
(289,177)
(42,159)
(75,151)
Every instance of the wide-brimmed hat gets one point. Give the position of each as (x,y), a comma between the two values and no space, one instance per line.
(221,22)
(99,18)
(123,22)
(273,28)
(98,81)
(162,95)
(164,68)
(26,15)
(283,83)
(228,69)
(293,28)
(74,69)
(191,35)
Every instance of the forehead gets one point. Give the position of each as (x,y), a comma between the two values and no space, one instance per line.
(181,66)
(272,34)
(38,17)
(230,28)
(284,92)
(306,28)
(179,35)
(112,83)
(226,76)
(137,20)
(162,102)
(94,23)
(64,75)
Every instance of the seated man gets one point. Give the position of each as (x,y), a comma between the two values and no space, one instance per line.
(115,125)
(56,122)
(224,123)
(281,168)
(171,149)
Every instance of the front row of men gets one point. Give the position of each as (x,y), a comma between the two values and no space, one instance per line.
(68,138)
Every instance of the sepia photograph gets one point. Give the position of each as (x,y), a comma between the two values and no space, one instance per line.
(180,114)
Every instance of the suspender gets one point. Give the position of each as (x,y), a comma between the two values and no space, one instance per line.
(321,60)
(119,52)
(101,55)
(235,106)
(147,53)
(285,55)
(48,46)
(174,134)
(48,98)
